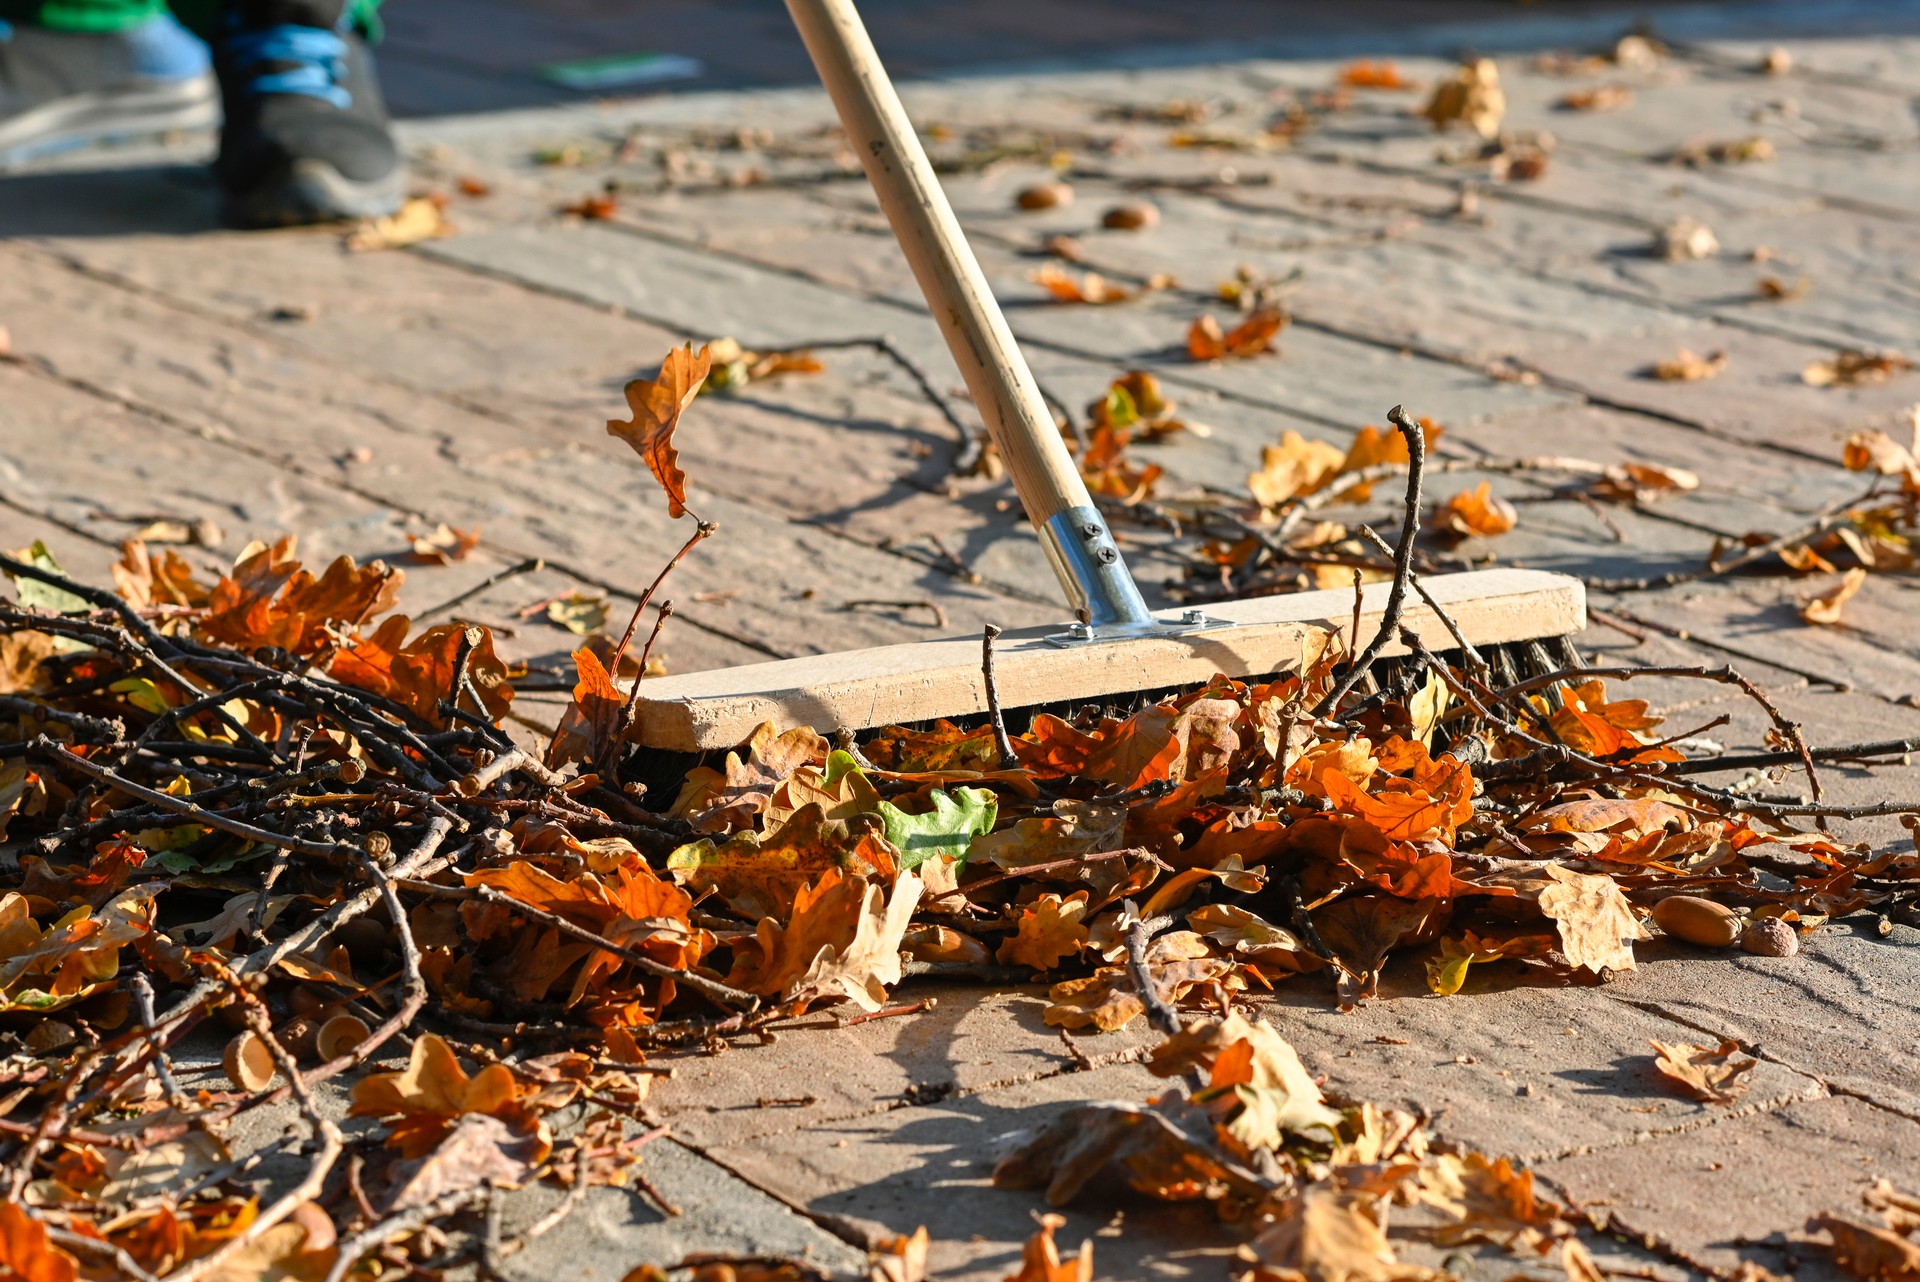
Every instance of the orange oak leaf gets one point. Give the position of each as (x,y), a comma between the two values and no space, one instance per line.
(657,404)
(269,600)
(843,941)
(423,1101)
(26,1253)
(714,800)
(157,578)
(1040,1259)
(591,724)
(759,875)
(1050,928)
(420,673)
(1206,341)
(1476,513)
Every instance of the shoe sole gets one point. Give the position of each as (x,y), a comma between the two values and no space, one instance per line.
(110,115)
(313,191)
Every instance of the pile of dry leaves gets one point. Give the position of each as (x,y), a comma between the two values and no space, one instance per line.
(272,807)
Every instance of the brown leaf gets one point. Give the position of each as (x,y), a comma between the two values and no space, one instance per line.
(1088,287)
(1251,337)
(842,941)
(1171,1152)
(1900,1210)
(269,600)
(899,1259)
(1595,922)
(1855,369)
(478,1150)
(1294,468)
(1711,1074)
(1599,98)
(420,673)
(1869,1252)
(1050,929)
(1490,1201)
(29,1257)
(1825,609)
(1040,1259)
(424,1101)
(444,546)
(1325,1235)
(657,404)
(1687,366)
(1476,513)
(420,219)
(1472,97)
(591,724)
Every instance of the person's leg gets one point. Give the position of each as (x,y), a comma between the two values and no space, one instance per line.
(79,71)
(306,137)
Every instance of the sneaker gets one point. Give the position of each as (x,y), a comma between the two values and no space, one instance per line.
(306,137)
(65,89)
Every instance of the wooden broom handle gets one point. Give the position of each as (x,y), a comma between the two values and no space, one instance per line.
(1003,389)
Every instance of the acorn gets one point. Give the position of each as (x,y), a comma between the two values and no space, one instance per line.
(1771,937)
(321,1234)
(1698,921)
(302,999)
(1047,195)
(248,1062)
(339,1035)
(1135,215)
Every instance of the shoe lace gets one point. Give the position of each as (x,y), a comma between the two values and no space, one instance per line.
(291,59)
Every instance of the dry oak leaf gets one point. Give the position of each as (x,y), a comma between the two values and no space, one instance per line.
(1375,446)
(715,800)
(1825,609)
(423,1102)
(1900,1210)
(1169,1150)
(444,546)
(1294,468)
(1639,482)
(1875,451)
(269,600)
(1688,366)
(592,723)
(1476,513)
(160,578)
(1686,240)
(45,969)
(1051,927)
(26,1253)
(657,404)
(478,1150)
(1427,807)
(418,220)
(1089,287)
(1107,1000)
(1251,337)
(843,941)
(1040,1259)
(759,875)
(420,673)
(1472,97)
(1368,74)
(1711,1074)
(1855,369)
(1869,1252)
(1596,924)
(1323,1235)
(1599,98)
(1255,1070)
(899,1259)
(1490,1201)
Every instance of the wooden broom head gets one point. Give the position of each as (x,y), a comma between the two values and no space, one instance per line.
(925,680)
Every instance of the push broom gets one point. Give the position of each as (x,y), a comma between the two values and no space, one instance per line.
(1115,645)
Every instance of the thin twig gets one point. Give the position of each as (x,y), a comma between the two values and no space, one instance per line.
(1008,758)
(529,566)
(1402,562)
(1139,935)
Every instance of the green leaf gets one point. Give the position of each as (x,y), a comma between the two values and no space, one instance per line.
(35,594)
(1121,410)
(947,830)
